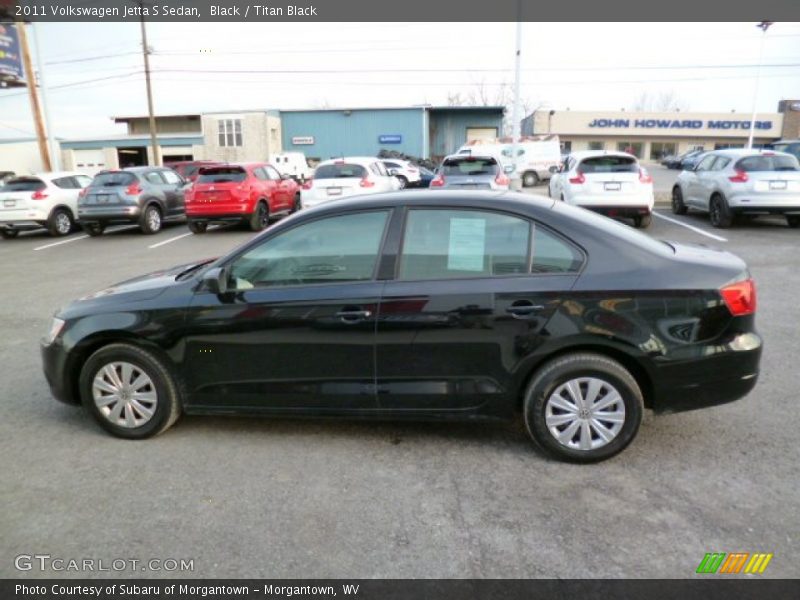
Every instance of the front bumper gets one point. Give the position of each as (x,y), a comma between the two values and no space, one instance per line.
(56,370)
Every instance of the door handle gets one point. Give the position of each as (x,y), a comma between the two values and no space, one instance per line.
(524,308)
(351,316)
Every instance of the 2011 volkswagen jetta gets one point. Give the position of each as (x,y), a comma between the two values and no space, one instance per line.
(426,305)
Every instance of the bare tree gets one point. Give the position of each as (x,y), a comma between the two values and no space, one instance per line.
(501,94)
(667,101)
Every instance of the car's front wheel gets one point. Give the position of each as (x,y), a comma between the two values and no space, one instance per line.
(150,221)
(719,213)
(678,206)
(129,391)
(583,407)
(530,179)
(8,234)
(197,226)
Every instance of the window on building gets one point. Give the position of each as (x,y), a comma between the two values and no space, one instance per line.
(659,150)
(595,145)
(230,132)
(566,147)
(634,148)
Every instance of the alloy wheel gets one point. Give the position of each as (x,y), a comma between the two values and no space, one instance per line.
(124,394)
(153,219)
(63,223)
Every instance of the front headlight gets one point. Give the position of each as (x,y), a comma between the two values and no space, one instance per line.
(55,328)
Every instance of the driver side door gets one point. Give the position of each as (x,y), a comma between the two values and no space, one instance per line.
(296,328)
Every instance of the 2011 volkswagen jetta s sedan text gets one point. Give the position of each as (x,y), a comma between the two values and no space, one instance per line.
(425,305)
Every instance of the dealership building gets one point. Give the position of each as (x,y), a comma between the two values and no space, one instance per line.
(651,135)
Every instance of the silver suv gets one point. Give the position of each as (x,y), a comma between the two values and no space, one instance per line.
(728,183)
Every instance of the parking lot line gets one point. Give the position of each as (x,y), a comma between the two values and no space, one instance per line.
(170,240)
(75,239)
(692,227)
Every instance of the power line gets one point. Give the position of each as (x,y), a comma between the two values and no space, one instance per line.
(89,58)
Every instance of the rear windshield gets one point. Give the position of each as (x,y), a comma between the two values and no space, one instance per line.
(117,178)
(222,175)
(339,171)
(28,184)
(609,164)
(470,166)
(768,163)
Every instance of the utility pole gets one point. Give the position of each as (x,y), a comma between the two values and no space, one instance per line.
(51,140)
(146,53)
(763,25)
(516,183)
(33,95)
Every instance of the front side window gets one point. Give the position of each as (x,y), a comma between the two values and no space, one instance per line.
(448,244)
(272,173)
(331,250)
(229,132)
(705,164)
(171,177)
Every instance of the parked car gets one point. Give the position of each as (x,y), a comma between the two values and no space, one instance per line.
(470,172)
(293,164)
(789,146)
(407,173)
(690,162)
(425,177)
(611,183)
(729,183)
(427,305)
(146,196)
(252,193)
(350,176)
(47,200)
(5,176)
(188,169)
(535,155)
(675,161)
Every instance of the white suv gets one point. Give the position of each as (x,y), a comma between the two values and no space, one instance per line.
(349,176)
(47,200)
(406,172)
(611,183)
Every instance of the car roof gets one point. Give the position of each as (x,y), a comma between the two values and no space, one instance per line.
(468,157)
(581,154)
(55,174)
(350,159)
(740,152)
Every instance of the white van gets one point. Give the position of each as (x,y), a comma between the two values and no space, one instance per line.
(293,164)
(535,155)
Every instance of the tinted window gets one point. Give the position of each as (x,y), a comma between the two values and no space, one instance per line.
(609,164)
(335,249)
(340,170)
(170,176)
(222,175)
(551,254)
(391,165)
(113,179)
(768,163)
(29,184)
(470,166)
(445,244)
(271,172)
(65,183)
(154,177)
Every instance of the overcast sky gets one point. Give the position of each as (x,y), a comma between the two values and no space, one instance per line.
(581,66)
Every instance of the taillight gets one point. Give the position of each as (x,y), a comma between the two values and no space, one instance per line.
(644,176)
(579,179)
(308,184)
(438,181)
(366,182)
(501,179)
(133,189)
(39,195)
(740,177)
(740,297)
(83,192)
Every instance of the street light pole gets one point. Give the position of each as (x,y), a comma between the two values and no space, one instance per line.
(152,118)
(763,25)
(55,154)
(516,183)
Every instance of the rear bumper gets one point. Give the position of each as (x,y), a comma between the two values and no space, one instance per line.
(748,208)
(121,214)
(21,225)
(217,218)
(620,211)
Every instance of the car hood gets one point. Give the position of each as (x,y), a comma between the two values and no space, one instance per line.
(138,289)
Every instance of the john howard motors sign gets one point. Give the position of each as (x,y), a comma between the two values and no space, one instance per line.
(678,124)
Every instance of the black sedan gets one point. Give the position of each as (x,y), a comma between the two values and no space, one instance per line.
(426,305)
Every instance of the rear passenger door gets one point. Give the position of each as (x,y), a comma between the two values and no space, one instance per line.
(267,188)
(174,191)
(465,305)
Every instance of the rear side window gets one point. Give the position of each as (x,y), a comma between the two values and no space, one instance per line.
(767,163)
(449,244)
(551,254)
(65,183)
(222,175)
(470,166)
(171,176)
(609,164)
(113,179)
(339,171)
(26,184)
(154,177)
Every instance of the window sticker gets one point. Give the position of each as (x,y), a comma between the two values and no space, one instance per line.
(467,244)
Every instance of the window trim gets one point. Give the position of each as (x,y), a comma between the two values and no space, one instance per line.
(226,132)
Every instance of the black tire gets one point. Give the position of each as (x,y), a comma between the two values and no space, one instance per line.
(150,222)
(558,371)
(197,226)
(168,405)
(60,222)
(642,222)
(403,181)
(8,234)
(260,217)
(93,229)
(678,206)
(792,221)
(298,204)
(719,213)
(530,179)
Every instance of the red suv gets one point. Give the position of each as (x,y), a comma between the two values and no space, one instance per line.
(251,192)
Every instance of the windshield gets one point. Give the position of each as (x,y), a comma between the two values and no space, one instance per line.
(113,179)
(470,166)
(29,184)
(339,171)
(609,164)
(222,175)
(768,163)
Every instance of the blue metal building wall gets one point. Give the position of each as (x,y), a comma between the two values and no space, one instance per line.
(448,128)
(337,134)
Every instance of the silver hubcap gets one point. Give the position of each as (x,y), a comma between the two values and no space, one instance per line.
(124,394)
(585,413)
(153,219)
(62,223)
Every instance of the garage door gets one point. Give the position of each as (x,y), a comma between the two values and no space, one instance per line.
(484,134)
(89,161)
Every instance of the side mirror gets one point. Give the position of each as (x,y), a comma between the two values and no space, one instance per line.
(553,169)
(216,280)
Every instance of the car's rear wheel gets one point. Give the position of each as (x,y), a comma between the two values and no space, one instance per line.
(793,222)
(197,226)
(129,391)
(678,206)
(60,222)
(260,217)
(642,222)
(298,203)
(719,213)
(9,234)
(583,407)
(93,229)
(150,221)
(530,179)
(403,182)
